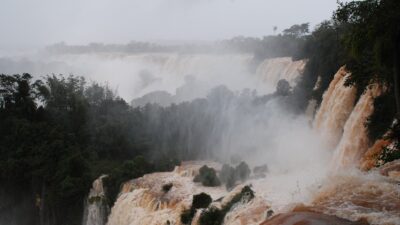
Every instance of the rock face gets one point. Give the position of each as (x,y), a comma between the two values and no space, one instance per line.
(391,169)
(308,218)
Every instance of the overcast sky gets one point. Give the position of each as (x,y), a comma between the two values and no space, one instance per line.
(41,22)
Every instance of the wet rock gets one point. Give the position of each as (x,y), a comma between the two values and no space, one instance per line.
(308,218)
(390,168)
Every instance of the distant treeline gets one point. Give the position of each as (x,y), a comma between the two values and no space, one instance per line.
(282,45)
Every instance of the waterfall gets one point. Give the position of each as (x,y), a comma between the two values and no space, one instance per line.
(355,142)
(342,124)
(270,71)
(336,106)
(96,208)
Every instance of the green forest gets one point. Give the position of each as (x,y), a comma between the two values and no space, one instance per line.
(59,133)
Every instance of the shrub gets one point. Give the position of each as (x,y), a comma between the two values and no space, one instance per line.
(207,176)
(389,155)
(212,216)
(226,172)
(229,175)
(187,215)
(242,171)
(215,216)
(201,200)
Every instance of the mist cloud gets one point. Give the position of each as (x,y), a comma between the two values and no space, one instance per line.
(26,23)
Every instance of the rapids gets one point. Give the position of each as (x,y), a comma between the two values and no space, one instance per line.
(361,196)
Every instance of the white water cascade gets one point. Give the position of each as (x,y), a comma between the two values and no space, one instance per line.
(96,208)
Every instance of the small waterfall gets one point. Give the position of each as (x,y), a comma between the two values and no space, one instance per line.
(336,106)
(96,208)
(270,71)
(355,142)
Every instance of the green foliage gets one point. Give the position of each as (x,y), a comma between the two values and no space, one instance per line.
(187,215)
(212,216)
(297,30)
(283,88)
(128,170)
(380,121)
(371,37)
(201,200)
(325,54)
(227,176)
(76,134)
(215,216)
(389,155)
(95,199)
(242,171)
(207,176)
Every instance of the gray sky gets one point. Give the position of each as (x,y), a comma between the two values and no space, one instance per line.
(26,23)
